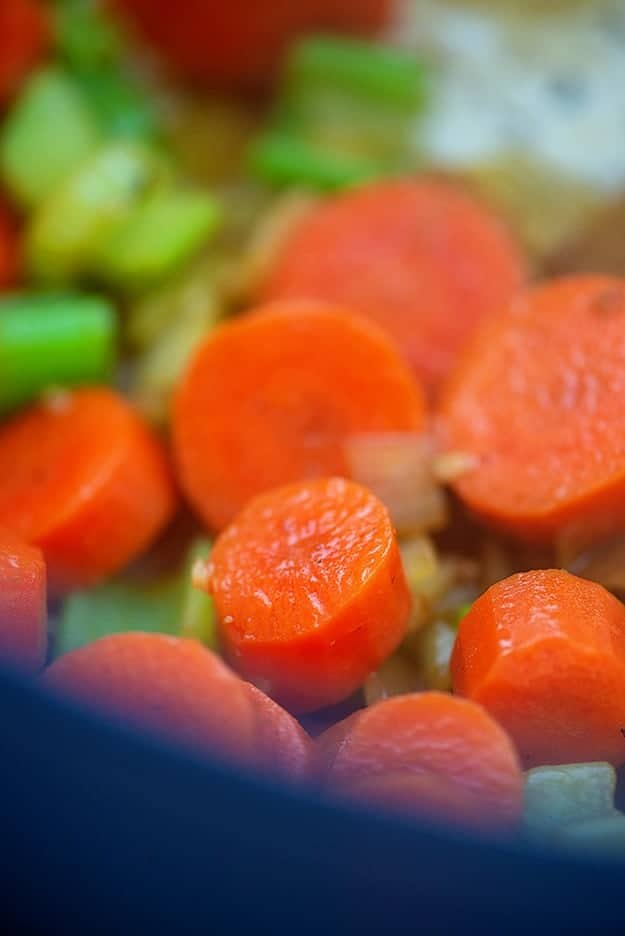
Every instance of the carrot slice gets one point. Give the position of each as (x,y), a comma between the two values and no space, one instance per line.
(418,257)
(537,402)
(22,603)
(180,689)
(272,397)
(429,752)
(24,38)
(9,249)
(544,652)
(309,590)
(84,479)
(241,43)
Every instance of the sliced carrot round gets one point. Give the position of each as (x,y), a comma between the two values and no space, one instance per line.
(537,401)
(24,37)
(85,480)
(271,398)
(429,752)
(22,603)
(180,689)
(310,591)
(544,652)
(418,257)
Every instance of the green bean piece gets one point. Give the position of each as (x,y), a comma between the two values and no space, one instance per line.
(53,340)
(72,226)
(556,797)
(197,619)
(117,607)
(122,110)
(157,238)
(282,159)
(386,76)
(85,38)
(50,131)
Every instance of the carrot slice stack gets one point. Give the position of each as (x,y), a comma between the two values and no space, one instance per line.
(544,652)
(310,591)
(22,603)
(537,401)
(420,258)
(178,688)
(84,479)
(272,397)
(428,753)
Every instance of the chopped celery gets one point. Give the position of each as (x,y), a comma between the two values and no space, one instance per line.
(72,225)
(158,236)
(50,340)
(556,797)
(85,38)
(461,613)
(49,132)
(197,618)
(281,159)
(387,76)
(116,607)
(605,834)
(122,110)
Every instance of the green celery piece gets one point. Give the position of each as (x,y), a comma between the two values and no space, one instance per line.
(53,340)
(281,160)
(198,618)
(556,797)
(50,131)
(72,225)
(371,70)
(114,608)
(85,38)
(603,835)
(159,235)
(122,109)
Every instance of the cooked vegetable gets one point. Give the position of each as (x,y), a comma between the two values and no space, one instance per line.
(83,479)
(544,652)
(281,159)
(116,607)
(537,402)
(85,38)
(238,43)
(428,753)
(389,252)
(9,249)
(197,617)
(181,690)
(36,155)
(597,836)
(297,379)
(76,223)
(158,237)
(22,604)
(121,108)
(556,798)
(53,340)
(309,591)
(24,38)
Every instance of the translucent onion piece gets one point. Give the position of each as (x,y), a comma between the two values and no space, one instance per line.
(395,677)
(399,468)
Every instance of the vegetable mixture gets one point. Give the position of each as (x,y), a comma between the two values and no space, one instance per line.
(311,448)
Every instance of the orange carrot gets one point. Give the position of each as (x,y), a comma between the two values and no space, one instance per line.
(9,249)
(22,603)
(418,257)
(428,752)
(24,38)
(537,402)
(83,479)
(180,689)
(241,43)
(544,652)
(271,398)
(309,590)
